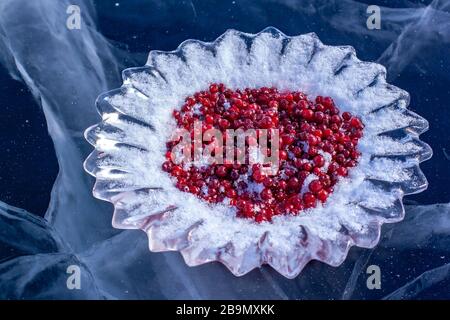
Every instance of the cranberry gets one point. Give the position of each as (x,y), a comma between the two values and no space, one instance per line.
(209,119)
(328,102)
(315,186)
(336,119)
(307,129)
(177,171)
(221,171)
(167,166)
(319,116)
(319,161)
(213,88)
(224,123)
(231,193)
(309,199)
(293,183)
(268,182)
(296,201)
(346,115)
(260,217)
(258,176)
(282,185)
(283,155)
(356,123)
(307,114)
(322,195)
(307,166)
(266,194)
(287,139)
(342,171)
(312,140)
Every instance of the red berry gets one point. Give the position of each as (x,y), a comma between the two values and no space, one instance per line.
(296,201)
(266,123)
(282,185)
(248,209)
(221,171)
(266,194)
(319,161)
(287,139)
(273,104)
(336,119)
(224,123)
(307,114)
(332,167)
(293,183)
(268,182)
(319,116)
(309,199)
(342,171)
(177,171)
(346,116)
(260,218)
(312,140)
(194,189)
(167,166)
(231,193)
(258,176)
(307,166)
(356,123)
(328,102)
(322,195)
(213,88)
(209,119)
(327,132)
(315,186)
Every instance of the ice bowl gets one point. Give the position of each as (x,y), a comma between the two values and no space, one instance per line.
(136,122)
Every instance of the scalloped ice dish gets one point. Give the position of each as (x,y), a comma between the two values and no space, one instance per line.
(332,191)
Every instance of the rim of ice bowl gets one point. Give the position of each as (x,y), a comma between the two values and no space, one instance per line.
(308,245)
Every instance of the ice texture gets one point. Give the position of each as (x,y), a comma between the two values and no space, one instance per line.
(138,274)
(413,254)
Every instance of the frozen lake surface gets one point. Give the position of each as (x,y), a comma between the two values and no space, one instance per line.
(65,70)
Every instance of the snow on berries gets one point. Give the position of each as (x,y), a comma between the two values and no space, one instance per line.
(317,146)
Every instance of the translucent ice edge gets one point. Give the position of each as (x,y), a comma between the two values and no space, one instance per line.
(137,121)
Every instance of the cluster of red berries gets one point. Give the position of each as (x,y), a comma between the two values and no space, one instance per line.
(308,130)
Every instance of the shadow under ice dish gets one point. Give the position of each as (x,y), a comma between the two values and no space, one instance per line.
(138,119)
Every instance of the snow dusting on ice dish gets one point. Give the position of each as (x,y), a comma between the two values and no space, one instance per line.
(130,144)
